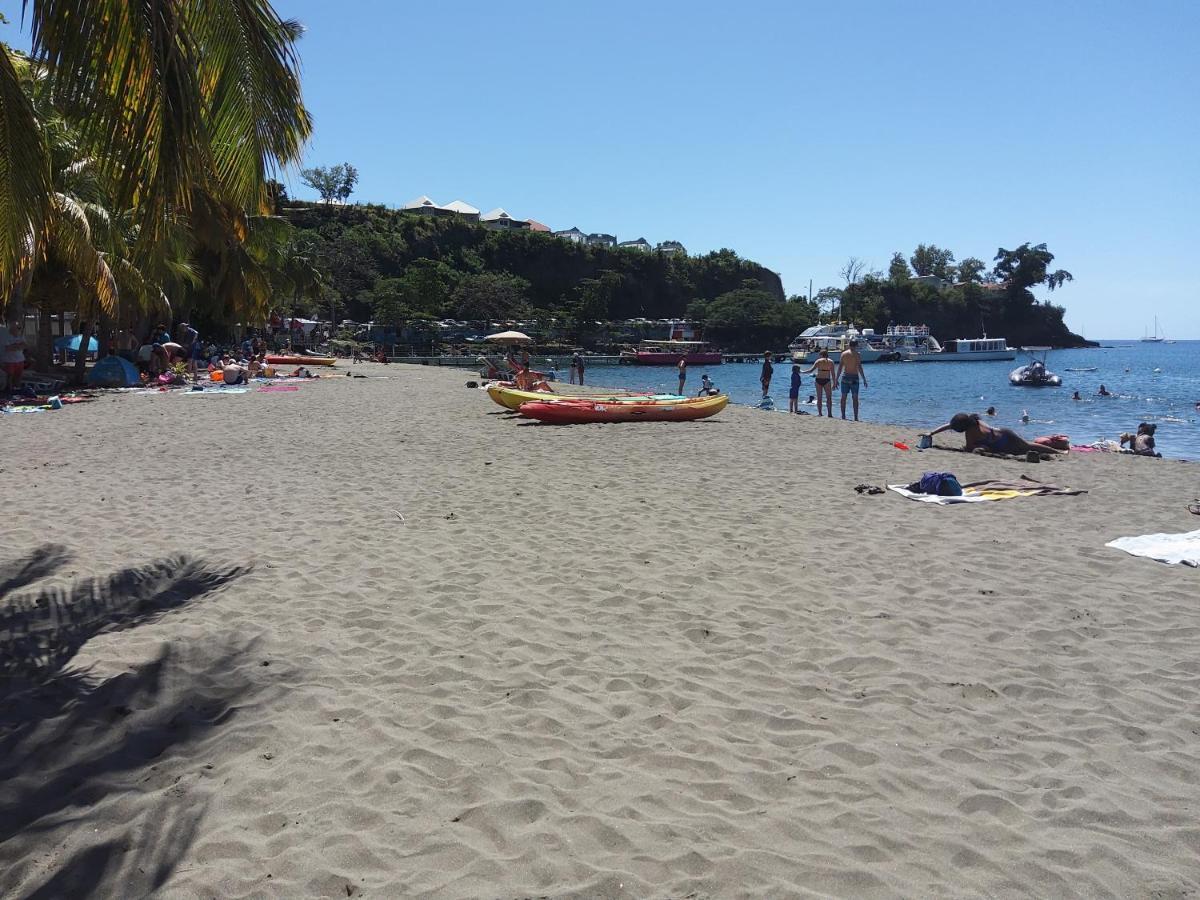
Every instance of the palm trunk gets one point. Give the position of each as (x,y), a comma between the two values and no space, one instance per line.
(85,338)
(45,340)
(105,335)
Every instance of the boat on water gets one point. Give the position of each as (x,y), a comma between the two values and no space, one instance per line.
(982,349)
(1155,338)
(1034,373)
(669,352)
(836,337)
(579,412)
(910,341)
(512,397)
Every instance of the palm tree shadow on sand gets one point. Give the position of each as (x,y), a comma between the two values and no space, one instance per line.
(80,785)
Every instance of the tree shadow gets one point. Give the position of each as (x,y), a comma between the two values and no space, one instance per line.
(84,772)
(43,561)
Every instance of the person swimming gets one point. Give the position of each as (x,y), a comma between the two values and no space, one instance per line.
(991,410)
(1076,396)
(978,436)
(1104,392)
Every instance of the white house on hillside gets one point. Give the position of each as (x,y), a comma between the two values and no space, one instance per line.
(502,221)
(602,240)
(459,208)
(671,248)
(640,244)
(421,205)
(572,234)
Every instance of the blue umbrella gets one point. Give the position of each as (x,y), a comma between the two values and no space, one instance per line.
(71,342)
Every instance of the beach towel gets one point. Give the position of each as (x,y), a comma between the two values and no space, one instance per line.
(276,388)
(209,392)
(977,491)
(1172,549)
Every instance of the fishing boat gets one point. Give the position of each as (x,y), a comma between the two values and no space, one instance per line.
(302,360)
(512,398)
(834,337)
(578,412)
(1034,373)
(1155,338)
(670,352)
(984,349)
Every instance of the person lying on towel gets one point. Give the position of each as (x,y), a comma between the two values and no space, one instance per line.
(979,436)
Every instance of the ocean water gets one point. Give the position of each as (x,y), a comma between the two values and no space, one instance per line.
(1157,383)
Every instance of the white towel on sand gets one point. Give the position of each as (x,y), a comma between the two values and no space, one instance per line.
(934,498)
(1173,549)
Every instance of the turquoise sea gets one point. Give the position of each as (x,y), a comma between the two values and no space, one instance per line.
(1157,383)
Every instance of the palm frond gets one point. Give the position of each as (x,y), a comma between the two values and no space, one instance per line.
(250,77)
(24,178)
(69,241)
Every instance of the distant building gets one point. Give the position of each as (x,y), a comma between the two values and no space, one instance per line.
(500,220)
(421,205)
(671,248)
(602,240)
(459,208)
(538,226)
(931,280)
(640,244)
(572,234)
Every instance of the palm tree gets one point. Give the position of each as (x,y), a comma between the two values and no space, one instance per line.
(186,107)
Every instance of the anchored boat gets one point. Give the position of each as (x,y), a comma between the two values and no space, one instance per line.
(1034,373)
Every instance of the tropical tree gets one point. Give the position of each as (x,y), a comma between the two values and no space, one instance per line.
(333,183)
(930,259)
(183,108)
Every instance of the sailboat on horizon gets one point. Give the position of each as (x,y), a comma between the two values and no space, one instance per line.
(1155,338)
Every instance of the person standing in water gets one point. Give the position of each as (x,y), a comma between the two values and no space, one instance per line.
(824,369)
(849,374)
(768,370)
(682,374)
(794,390)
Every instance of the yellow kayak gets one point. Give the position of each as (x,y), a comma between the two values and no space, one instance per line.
(512,398)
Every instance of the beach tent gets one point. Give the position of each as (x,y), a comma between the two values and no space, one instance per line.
(113,371)
(72,341)
(509,337)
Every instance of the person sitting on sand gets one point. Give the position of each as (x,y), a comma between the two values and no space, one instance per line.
(159,362)
(824,368)
(1104,392)
(232,372)
(979,436)
(1141,443)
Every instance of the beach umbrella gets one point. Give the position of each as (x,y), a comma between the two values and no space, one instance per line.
(509,337)
(71,342)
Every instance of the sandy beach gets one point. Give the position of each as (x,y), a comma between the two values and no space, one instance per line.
(378,637)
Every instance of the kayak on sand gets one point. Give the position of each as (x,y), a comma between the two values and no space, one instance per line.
(302,360)
(575,412)
(512,398)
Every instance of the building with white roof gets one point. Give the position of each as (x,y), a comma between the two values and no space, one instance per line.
(459,208)
(421,205)
(502,221)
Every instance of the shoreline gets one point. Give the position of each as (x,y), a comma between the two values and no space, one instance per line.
(404,643)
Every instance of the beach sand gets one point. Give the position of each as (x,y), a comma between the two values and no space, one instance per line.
(418,646)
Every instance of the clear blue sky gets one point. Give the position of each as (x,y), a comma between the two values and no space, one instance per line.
(796,134)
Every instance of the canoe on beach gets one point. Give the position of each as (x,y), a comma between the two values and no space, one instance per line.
(302,360)
(512,398)
(576,412)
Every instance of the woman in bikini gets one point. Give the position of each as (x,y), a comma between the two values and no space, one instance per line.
(979,436)
(824,377)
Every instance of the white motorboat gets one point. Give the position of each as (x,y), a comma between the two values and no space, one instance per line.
(834,337)
(1034,373)
(983,349)
(910,341)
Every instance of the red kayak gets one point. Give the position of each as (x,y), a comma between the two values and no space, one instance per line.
(576,412)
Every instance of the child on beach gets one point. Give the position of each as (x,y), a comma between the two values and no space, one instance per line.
(794,390)
(768,370)
(682,374)
(706,386)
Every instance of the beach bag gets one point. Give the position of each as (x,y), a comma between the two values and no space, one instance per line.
(941,484)
(1057,441)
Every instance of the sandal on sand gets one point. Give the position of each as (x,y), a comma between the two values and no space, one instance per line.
(868,489)
(1194,508)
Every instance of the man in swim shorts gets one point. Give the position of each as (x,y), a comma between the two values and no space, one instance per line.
(849,374)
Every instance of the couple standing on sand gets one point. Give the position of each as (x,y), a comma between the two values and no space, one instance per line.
(848,373)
